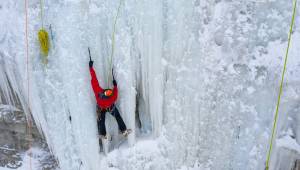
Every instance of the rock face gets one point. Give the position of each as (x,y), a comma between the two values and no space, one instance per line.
(15,139)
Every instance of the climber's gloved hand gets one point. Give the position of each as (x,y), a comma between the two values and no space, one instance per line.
(91,63)
(114,80)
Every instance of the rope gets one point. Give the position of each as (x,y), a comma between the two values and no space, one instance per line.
(109,77)
(42,12)
(29,122)
(280,89)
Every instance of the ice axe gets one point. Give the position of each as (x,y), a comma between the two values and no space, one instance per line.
(90,54)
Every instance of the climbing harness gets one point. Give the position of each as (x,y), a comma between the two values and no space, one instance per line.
(109,77)
(43,37)
(29,120)
(280,89)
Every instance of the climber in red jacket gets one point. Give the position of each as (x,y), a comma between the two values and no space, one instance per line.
(106,99)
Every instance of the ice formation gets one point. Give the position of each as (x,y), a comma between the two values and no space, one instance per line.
(198,79)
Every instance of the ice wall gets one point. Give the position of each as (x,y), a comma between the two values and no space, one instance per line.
(223,81)
(204,74)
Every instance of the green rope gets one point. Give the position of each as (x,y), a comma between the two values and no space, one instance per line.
(42,12)
(280,89)
(109,77)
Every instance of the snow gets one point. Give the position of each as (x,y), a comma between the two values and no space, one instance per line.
(30,162)
(203,76)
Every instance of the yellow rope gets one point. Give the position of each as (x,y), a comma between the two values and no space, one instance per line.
(280,89)
(109,77)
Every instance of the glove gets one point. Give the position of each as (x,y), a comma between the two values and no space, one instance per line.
(91,63)
(114,82)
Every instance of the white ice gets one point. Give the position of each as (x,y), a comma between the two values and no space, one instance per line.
(203,76)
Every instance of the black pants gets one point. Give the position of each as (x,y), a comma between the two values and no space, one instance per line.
(101,120)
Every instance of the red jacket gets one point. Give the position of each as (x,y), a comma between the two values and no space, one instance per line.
(102,103)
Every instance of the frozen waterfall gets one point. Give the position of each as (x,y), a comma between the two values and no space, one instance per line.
(198,80)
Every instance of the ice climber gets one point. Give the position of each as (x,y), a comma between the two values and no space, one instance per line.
(106,99)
